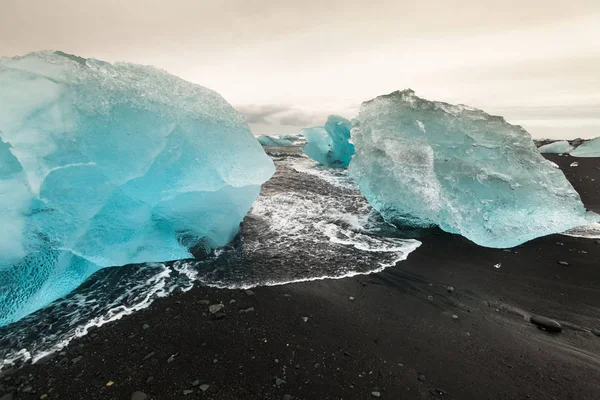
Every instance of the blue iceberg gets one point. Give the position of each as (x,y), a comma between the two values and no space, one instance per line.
(330,144)
(109,164)
(271,141)
(423,163)
(559,147)
(590,148)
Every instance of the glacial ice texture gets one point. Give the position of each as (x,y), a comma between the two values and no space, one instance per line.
(330,144)
(591,148)
(559,147)
(109,164)
(424,163)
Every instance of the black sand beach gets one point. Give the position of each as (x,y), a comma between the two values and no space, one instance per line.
(444,324)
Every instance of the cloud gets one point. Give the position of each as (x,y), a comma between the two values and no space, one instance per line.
(271,114)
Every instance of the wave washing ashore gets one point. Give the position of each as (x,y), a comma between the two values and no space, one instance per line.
(306,215)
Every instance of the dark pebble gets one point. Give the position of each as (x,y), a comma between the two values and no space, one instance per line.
(547,324)
(139,396)
(8,396)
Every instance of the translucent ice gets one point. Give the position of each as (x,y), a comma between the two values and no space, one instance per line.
(330,144)
(559,147)
(271,141)
(108,164)
(591,148)
(425,163)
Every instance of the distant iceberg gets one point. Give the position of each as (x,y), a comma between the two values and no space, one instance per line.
(591,148)
(109,164)
(559,147)
(330,144)
(271,141)
(424,163)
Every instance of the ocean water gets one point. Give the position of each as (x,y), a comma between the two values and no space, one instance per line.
(309,223)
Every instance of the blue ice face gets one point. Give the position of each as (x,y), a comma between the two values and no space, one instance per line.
(330,144)
(425,163)
(109,164)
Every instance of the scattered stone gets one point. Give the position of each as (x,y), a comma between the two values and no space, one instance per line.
(232,301)
(44,396)
(545,323)
(351,298)
(249,292)
(204,387)
(247,310)
(430,298)
(421,377)
(76,360)
(215,308)
(287,397)
(279,382)
(147,356)
(305,319)
(28,389)
(563,263)
(171,358)
(204,302)
(376,394)
(139,396)
(196,383)
(219,315)
(450,289)
(187,391)
(145,326)
(454,316)
(109,383)
(150,379)
(62,361)
(497,266)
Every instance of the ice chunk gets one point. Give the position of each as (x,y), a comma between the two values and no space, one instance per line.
(330,144)
(591,148)
(559,147)
(425,163)
(271,141)
(108,164)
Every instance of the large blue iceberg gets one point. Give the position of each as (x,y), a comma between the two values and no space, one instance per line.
(590,148)
(109,164)
(424,163)
(330,144)
(559,147)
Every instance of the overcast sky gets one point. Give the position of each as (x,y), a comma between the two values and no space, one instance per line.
(287,64)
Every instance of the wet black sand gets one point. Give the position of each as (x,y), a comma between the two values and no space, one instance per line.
(390,334)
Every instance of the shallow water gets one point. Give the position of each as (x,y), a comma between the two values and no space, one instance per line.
(309,223)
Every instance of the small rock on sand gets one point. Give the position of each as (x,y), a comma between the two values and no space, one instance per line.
(247,310)
(563,263)
(139,396)
(450,289)
(545,323)
(249,292)
(454,316)
(376,394)
(8,396)
(215,308)
(187,391)
(204,387)
(287,397)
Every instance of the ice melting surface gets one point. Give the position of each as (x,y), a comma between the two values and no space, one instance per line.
(330,144)
(591,148)
(426,163)
(559,147)
(109,164)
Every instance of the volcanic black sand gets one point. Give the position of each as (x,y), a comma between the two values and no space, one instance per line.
(445,324)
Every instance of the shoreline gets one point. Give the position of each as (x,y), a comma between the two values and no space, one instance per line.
(392,333)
